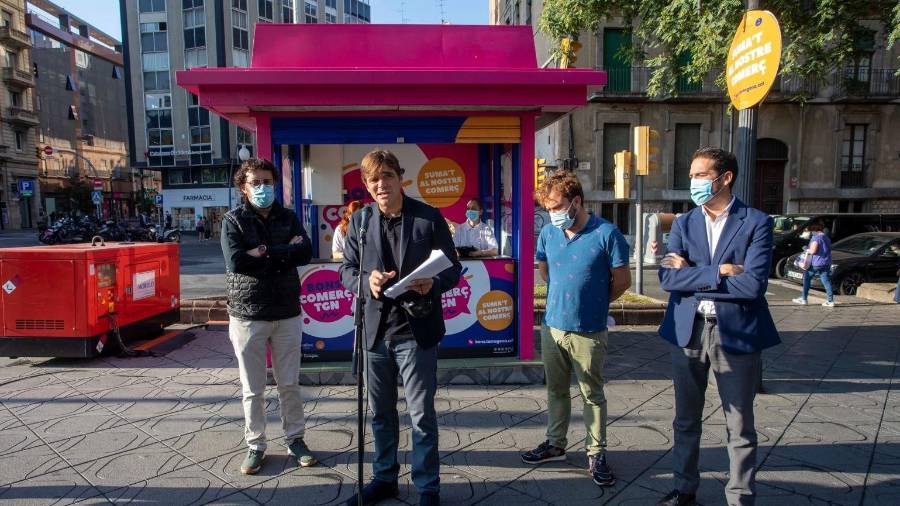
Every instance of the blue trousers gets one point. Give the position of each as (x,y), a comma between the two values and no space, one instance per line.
(418,369)
(824,273)
(897,293)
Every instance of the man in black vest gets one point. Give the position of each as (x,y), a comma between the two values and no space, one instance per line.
(402,333)
(263,244)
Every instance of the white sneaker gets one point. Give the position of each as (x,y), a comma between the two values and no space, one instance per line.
(828,304)
(799,300)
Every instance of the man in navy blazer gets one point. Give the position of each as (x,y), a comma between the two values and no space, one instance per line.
(716,272)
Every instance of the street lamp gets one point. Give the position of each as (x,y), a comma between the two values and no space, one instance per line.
(243,155)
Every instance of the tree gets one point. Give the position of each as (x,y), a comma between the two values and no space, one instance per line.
(78,195)
(818,35)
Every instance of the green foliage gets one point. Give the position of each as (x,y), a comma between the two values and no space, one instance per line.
(78,194)
(818,35)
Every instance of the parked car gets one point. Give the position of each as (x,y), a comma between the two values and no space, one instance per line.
(791,235)
(861,258)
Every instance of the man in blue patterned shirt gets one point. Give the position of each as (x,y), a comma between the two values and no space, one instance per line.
(584,261)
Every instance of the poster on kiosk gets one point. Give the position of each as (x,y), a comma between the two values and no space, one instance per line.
(478,312)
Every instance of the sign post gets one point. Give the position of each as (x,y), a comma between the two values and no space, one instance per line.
(752,66)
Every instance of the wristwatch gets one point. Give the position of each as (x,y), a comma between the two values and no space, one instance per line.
(262,249)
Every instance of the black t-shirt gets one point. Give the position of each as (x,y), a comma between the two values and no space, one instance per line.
(394,324)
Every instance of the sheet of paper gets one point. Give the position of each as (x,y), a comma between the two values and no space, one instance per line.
(436,263)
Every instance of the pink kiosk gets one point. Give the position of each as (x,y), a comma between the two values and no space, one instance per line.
(459,105)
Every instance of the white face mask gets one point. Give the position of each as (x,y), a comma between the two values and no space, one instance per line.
(563,219)
(805,234)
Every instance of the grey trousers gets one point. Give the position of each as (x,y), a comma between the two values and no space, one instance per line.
(249,340)
(736,377)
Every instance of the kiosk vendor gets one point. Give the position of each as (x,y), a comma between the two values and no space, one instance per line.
(474,238)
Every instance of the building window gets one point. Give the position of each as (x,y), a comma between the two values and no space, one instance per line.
(331,4)
(266,11)
(687,140)
(311,9)
(156,81)
(82,59)
(194,24)
(15,99)
(615,138)
(12,59)
(160,138)
(287,11)
(154,49)
(356,11)
(152,5)
(198,124)
(240,33)
(853,157)
(330,18)
(210,175)
(7,18)
(617,214)
(20,140)
(240,25)
(179,176)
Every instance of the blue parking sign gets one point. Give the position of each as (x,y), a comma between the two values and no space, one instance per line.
(159,199)
(26,187)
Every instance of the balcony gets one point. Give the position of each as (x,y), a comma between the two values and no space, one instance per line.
(857,83)
(796,85)
(23,117)
(15,39)
(17,78)
(634,81)
(853,178)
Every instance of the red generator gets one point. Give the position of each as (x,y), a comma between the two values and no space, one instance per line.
(64,300)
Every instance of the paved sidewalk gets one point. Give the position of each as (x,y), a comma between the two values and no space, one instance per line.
(168,430)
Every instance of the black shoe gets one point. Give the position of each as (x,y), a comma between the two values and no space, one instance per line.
(429,500)
(676,498)
(375,491)
(600,470)
(545,452)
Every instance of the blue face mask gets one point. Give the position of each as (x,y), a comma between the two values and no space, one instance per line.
(262,196)
(472,215)
(702,190)
(562,219)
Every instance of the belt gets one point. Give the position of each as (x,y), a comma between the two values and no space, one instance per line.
(707,318)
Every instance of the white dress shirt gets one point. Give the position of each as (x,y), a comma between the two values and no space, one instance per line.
(481,237)
(339,242)
(714,228)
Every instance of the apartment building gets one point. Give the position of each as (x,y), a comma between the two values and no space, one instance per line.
(19,191)
(81,138)
(835,151)
(168,131)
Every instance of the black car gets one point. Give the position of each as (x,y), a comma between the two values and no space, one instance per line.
(858,259)
(791,235)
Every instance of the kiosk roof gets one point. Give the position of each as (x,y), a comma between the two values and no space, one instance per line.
(342,67)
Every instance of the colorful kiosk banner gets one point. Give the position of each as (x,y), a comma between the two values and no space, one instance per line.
(479,312)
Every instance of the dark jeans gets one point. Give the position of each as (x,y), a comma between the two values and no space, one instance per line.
(897,293)
(418,369)
(824,273)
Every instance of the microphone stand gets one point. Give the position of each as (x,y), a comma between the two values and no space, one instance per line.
(359,367)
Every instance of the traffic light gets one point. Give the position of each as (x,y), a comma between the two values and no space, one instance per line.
(569,52)
(539,172)
(646,150)
(623,174)
(39,152)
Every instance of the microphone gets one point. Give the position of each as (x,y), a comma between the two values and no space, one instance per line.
(364,221)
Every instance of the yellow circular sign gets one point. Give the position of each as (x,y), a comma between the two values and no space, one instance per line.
(753,59)
(495,310)
(441,182)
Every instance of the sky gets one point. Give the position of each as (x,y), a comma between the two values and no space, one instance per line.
(104,14)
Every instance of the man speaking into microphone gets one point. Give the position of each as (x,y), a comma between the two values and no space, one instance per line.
(402,333)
